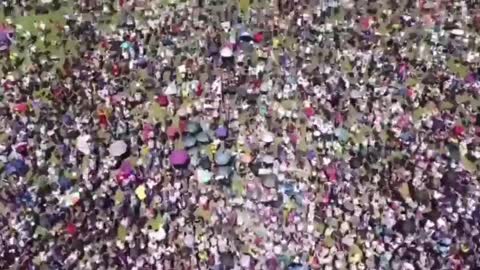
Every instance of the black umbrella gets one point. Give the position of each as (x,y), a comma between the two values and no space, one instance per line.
(228,260)
(205,163)
(406,227)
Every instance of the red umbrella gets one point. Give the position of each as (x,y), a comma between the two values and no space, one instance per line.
(163,101)
(182,125)
(309,112)
(458,130)
(258,37)
(71,228)
(21,107)
(331,173)
(365,23)
(172,132)
(147,132)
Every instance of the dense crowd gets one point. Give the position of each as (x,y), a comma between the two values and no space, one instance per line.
(301,134)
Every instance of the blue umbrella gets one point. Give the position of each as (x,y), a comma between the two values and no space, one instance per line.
(311,155)
(203,137)
(342,134)
(193,127)
(189,141)
(221,132)
(223,158)
(17,167)
(125,45)
(64,183)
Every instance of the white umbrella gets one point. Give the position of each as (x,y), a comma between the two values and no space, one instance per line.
(268,137)
(117,148)
(268,159)
(429,5)
(204,176)
(457,32)
(83,144)
(245,261)
(182,112)
(171,89)
(70,199)
(226,52)
(158,235)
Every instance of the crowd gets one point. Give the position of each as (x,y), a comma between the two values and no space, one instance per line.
(300,134)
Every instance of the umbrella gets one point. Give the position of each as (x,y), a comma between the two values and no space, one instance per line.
(171,89)
(223,158)
(203,137)
(224,172)
(268,159)
(70,199)
(117,148)
(355,163)
(16,167)
(457,32)
(205,163)
(182,112)
(125,45)
(163,101)
(246,158)
(189,141)
(83,144)
(228,260)
(193,127)
(246,36)
(203,176)
(258,37)
(179,158)
(221,133)
(309,112)
(342,134)
(21,107)
(226,52)
(268,137)
(172,132)
(269,180)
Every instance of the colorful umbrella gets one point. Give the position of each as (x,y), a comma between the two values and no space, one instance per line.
(162,101)
(17,167)
(268,137)
(193,127)
(223,158)
(83,144)
(221,133)
(189,141)
(268,159)
(117,148)
(203,137)
(179,158)
(172,132)
(226,52)
(269,180)
(203,176)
